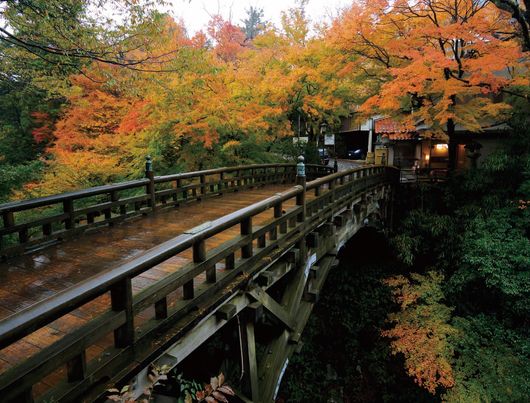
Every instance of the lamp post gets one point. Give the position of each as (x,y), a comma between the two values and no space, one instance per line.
(323,130)
(370,159)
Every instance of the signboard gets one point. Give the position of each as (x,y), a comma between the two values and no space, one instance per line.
(302,140)
(329,140)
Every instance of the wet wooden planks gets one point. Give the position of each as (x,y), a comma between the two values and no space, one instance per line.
(32,278)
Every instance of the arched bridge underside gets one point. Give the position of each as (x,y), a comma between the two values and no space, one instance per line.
(86,304)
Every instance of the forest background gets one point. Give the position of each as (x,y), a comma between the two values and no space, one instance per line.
(83,100)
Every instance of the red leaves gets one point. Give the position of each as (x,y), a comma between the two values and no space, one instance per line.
(43,132)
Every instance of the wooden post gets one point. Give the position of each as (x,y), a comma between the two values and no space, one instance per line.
(199,255)
(221,183)
(238,180)
(76,368)
(248,347)
(273,235)
(230,262)
(150,188)
(9,219)
(161,308)
(121,298)
(68,208)
(246,229)
(114,197)
(301,180)
(179,187)
(47,229)
(203,184)
(23,235)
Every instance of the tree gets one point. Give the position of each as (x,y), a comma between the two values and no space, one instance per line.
(440,62)
(520,12)
(72,33)
(254,24)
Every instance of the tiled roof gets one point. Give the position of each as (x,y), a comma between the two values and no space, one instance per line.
(388,125)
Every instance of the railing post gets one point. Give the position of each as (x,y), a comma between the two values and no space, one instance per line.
(221,182)
(277,214)
(68,208)
(9,219)
(121,299)
(246,229)
(150,188)
(301,180)
(76,368)
(335,165)
(203,184)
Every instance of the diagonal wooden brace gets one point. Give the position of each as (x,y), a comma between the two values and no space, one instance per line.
(273,307)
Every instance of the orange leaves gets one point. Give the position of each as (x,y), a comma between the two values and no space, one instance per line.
(229,39)
(421,329)
(438,53)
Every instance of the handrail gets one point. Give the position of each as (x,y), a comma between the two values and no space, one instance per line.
(283,230)
(20,205)
(26,321)
(176,188)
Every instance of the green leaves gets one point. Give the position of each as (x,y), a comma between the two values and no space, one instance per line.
(491,362)
(496,249)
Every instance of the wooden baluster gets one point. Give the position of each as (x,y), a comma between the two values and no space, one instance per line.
(199,256)
(277,214)
(47,229)
(332,190)
(114,197)
(283,225)
(300,201)
(121,299)
(174,195)
(68,208)
(161,308)
(150,188)
(221,183)
(262,242)
(184,192)
(230,261)
(23,235)
(238,176)
(9,219)
(246,229)
(123,208)
(76,368)
(187,290)
(203,184)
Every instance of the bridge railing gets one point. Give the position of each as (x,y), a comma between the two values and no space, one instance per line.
(194,288)
(30,223)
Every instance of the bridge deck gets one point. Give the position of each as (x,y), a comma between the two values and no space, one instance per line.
(29,279)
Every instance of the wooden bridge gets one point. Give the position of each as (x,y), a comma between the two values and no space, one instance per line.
(98,284)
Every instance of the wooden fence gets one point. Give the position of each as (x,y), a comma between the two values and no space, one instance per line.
(242,256)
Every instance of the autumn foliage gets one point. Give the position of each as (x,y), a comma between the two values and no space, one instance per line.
(434,63)
(420,330)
